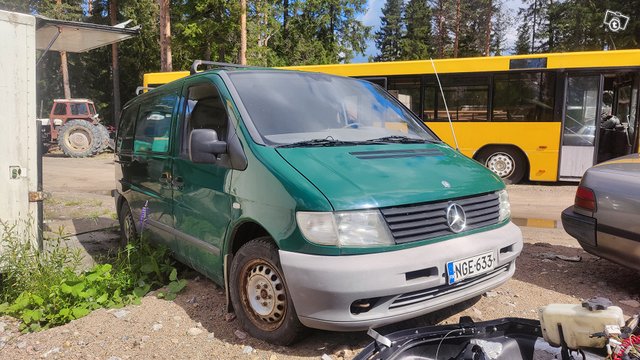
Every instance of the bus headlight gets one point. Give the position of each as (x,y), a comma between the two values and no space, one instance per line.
(505,207)
(345,228)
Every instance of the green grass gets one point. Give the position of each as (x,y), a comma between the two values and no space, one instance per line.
(46,288)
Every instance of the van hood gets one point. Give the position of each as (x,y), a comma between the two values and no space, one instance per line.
(375,176)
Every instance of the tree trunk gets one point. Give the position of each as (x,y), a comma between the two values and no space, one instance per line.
(115,66)
(242,56)
(285,18)
(457,32)
(166,63)
(441,28)
(64,69)
(487,35)
(65,74)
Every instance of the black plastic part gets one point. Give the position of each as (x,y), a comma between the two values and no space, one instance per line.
(204,146)
(597,303)
(197,63)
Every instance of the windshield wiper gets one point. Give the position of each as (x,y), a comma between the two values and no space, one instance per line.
(401,140)
(321,142)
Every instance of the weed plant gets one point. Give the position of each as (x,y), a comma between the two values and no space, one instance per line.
(46,288)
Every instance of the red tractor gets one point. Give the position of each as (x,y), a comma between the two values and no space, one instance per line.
(75,126)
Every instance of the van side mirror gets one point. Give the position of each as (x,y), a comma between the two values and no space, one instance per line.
(204,146)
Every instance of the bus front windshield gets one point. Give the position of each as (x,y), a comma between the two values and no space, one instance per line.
(289,108)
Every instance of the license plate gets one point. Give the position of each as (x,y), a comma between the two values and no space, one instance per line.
(469,267)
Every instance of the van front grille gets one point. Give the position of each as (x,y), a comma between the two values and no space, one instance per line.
(429,220)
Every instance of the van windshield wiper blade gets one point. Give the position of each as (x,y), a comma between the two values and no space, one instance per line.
(322,142)
(401,140)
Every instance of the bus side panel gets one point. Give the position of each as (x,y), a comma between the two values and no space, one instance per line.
(540,141)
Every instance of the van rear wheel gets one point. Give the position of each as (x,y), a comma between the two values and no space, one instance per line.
(260,296)
(127,225)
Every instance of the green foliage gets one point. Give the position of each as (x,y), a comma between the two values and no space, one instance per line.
(45,288)
(391,32)
(417,43)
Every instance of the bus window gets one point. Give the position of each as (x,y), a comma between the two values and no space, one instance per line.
(429,109)
(407,90)
(467,98)
(523,96)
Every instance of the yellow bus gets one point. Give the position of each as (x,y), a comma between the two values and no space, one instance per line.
(545,117)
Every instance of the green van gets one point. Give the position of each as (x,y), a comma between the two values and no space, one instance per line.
(314,200)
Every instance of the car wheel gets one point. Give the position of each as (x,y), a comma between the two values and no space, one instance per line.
(127,225)
(260,296)
(505,162)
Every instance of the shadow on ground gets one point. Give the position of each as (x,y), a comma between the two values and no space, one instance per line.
(537,265)
(210,312)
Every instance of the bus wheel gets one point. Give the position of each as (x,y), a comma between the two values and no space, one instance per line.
(506,162)
(260,296)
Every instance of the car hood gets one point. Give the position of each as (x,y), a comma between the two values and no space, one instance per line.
(372,176)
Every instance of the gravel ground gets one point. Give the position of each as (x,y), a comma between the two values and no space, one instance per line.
(195,325)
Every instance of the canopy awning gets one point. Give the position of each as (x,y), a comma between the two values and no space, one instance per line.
(72,36)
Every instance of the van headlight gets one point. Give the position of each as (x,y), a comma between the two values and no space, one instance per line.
(505,207)
(345,228)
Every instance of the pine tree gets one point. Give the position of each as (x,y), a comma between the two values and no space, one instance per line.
(391,32)
(523,43)
(417,43)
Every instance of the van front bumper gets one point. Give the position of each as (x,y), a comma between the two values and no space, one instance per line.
(397,285)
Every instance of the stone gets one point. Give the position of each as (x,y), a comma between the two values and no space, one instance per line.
(326,357)
(247,349)
(67,344)
(114,358)
(240,334)
(229,317)
(120,314)
(630,302)
(194,331)
(477,312)
(211,336)
(177,318)
(2,327)
(145,338)
(156,327)
(273,357)
(491,294)
(50,352)
(21,345)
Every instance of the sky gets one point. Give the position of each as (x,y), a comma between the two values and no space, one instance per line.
(374,11)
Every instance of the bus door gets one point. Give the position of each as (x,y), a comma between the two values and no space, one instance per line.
(581,109)
(618,124)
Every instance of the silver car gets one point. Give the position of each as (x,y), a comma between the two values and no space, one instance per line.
(605,218)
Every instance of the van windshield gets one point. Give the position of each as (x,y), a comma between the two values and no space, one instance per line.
(290,108)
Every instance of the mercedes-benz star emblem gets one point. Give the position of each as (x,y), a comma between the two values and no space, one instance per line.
(456,218)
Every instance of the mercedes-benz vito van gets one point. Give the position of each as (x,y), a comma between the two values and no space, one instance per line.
(314,200)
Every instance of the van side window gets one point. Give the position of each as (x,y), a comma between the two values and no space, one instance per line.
(126,127)
(154,124)
(204,110)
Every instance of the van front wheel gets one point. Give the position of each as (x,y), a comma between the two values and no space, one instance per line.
(260,296)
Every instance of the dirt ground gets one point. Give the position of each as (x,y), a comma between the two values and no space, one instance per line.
(194,326)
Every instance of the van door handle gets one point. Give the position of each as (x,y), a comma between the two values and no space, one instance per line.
(165,178)
(178,182)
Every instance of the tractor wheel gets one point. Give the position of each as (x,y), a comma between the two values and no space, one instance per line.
(79,138)
(104,138)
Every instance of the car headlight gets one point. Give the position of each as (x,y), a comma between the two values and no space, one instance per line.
(505,207)
(345,228)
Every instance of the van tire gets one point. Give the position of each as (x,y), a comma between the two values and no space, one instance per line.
(259,262)
(127,225)
(505,161)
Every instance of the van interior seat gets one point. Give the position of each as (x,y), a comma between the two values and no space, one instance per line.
(209,113)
